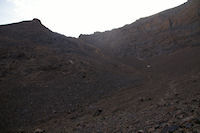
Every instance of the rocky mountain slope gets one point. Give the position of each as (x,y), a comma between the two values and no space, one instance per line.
(43,73)
(162,33)
(143,77)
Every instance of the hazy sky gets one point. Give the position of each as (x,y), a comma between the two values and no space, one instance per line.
(74,17)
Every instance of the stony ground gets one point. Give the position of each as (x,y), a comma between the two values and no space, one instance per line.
(175,109)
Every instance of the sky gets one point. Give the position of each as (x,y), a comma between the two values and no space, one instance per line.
(75,17)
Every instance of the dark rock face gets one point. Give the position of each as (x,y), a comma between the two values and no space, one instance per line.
(162,33)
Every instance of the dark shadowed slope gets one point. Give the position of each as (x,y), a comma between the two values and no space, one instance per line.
(43,73)
(166,103)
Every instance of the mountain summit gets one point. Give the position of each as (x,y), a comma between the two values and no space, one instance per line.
(35,20)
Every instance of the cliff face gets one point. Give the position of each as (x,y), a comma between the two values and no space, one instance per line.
(162,33)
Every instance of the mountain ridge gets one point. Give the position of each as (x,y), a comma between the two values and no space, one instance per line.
(140,39)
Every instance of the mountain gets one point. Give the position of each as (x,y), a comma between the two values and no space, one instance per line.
(143,77)
(43,72)
(162,33)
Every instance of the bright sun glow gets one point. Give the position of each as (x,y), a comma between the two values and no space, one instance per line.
(74,17)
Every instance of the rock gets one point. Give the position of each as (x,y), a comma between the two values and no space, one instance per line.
(170,129)
(39,131)
(73,117)
(164,130)
(54,111)
(21,131)
(151,130)
(192,110)
(98,112)
(149,99)
(142,99)
(197,121)
(181,130)
(36,20)
(176,94)
(140,131)
(194,81)
(188,119)
(194,100)
(148,66)
(188,125)
(71,62)
(157,126)
(181,116)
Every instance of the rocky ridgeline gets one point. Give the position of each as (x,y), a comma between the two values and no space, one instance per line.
(162,33)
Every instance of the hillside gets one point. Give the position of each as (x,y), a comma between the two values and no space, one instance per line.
(140,78)
(43,73)
(162,33)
